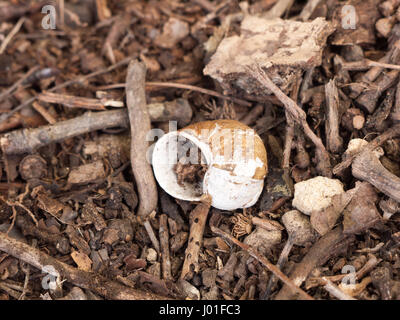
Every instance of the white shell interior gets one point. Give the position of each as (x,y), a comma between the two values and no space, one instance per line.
(229,191)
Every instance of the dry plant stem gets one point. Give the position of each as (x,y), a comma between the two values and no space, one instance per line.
(44,113)
(279,9)
(71,101)
(164,242)
(205,4)
(367,167)
(308,9)
(334,140)
(288,143)
(80,79)
(396,108)
(264,261)
(183,86)
(198,218)
(388,134)
(87,280)
(16,85)
(28,140)
(117,30)
(320,252)
(140,127)
(152,235)
(283,258)
(336,292)
(366,64)
(298,115)
(12,33)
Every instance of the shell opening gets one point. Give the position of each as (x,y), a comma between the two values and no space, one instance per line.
(180,162)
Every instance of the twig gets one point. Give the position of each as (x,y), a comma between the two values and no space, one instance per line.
(334,141)
(396,108)
(335,291)
(26,268)
(367,167)
(80,79)
(278,9)
(283,257)
(152,235)
(388,134)
(12,33)
(16,85)
(327,246)
(86,280)
(183,86)
(298,115)
(72,101)
(44,113)
(117,30)
(140,126)
(367,267)
(309,9)
(290,283)
(205,4)
(198,218)
(366,64)
(18,204)
(27,140)
(164,243)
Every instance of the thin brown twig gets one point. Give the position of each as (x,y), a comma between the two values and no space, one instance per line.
(182,86)
(12,33)
(140,126)
(271,267)
(15,86)
(79,79)
(298,115)
(18,204)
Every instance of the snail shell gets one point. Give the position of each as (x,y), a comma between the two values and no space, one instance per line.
(236,162)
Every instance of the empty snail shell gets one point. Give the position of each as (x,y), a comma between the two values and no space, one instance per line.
(227,157)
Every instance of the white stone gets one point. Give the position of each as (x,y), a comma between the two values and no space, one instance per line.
(151,255)
(315,194)
(355,146)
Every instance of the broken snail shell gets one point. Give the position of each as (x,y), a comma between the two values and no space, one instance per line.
(227,157)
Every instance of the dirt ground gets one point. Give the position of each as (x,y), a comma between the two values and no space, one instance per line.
(83,82)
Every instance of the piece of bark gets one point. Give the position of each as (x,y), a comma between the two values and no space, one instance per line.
(334,140)
(164,244)
(198,218)
(324,220)
(87,173)
(260,43)
(140,127)
(91,214)
(361,213)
